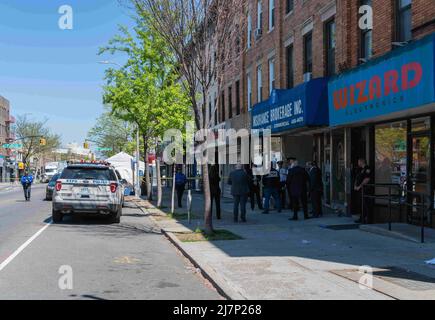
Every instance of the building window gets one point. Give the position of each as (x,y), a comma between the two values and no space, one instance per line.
(330,47)
(271,75)
(259,84)
(308,53)
(271,14)
(403,20)
(237,97)
(249,31)
(391,152)
(230,102)
(290,71)
(289,6)
(249,93)
(259,15)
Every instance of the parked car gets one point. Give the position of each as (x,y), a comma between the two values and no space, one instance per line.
(50,187)
(88,187)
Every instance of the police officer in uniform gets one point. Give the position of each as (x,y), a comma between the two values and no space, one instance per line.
(362,178)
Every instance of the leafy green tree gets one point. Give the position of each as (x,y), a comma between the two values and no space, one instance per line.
(29,133)
(113,133)
(199,34)
(146,90)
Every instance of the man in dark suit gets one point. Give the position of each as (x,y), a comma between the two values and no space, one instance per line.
(316,188)
(239,182)
(297,181)
(254,188)
(215,190)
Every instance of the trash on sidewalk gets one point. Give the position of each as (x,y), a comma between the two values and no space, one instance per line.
(432,262)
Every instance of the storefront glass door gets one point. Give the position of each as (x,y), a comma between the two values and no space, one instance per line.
(419,177)
(420,159)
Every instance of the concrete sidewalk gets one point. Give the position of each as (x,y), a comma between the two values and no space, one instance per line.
(7,186)
(282,259)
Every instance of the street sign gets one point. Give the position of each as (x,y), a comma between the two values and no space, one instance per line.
(12,146)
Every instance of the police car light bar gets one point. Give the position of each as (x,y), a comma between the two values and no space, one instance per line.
(104,163)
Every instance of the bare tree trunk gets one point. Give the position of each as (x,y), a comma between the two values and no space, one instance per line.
(173,190)
(147,169)
(208,219)
(159,184)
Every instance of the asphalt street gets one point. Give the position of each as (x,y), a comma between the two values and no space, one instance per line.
(87,258)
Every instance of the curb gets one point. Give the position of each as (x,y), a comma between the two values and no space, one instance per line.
(386,233)
(209,274)
(221,286)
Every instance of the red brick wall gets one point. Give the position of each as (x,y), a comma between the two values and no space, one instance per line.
(423,17)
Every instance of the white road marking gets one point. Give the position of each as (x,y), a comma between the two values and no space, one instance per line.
(23,246)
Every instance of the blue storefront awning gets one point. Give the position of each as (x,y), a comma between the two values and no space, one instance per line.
(400,80)
(303,106)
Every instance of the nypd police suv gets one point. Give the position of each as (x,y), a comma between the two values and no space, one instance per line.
(88,187)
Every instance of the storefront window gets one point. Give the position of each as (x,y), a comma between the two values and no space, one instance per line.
(338,168)
(421,124)
(391,146)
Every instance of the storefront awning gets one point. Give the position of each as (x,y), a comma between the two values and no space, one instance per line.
(303,106)
(399,81)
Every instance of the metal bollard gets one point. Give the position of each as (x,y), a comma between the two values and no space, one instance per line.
(189,205)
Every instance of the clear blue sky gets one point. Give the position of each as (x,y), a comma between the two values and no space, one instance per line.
(53,73)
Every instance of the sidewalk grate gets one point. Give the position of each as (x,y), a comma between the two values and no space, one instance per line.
(341,227)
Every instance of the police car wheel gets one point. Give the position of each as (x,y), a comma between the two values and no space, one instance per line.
(116,216)
(57,216)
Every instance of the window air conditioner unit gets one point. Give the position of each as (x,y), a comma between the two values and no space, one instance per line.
(258,33)
(308,76)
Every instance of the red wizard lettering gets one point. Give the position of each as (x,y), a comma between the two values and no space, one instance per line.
(391,82)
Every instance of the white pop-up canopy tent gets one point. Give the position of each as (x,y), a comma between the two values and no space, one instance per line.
(122,162)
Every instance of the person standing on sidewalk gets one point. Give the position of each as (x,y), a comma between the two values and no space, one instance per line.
(180,185)
(239,182)
(272,186)
(283,171)
(297,181)
(316,188)
(26,182)
(362,179)
(290,165)
(254,188)
(215,190)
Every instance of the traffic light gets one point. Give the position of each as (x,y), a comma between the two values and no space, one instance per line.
(86,145)
(42,142)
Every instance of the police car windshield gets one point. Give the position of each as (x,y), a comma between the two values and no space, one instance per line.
(88,174)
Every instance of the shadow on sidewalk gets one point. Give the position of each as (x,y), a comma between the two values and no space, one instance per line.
(308,241)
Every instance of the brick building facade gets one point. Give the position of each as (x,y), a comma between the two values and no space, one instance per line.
(5,121)
(290,42)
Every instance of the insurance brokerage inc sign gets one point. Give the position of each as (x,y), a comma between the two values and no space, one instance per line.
(401,80)
(304,105)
